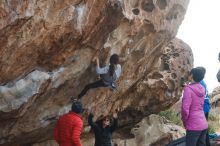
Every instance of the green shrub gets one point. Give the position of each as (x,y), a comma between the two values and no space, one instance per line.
(172,116)
(212,117)
(211,129)
(176,119)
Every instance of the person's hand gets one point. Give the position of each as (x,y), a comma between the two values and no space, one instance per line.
(91,111)
(184,85)
(95,59)
(115,115)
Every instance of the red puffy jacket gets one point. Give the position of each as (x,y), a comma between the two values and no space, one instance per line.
(68,129)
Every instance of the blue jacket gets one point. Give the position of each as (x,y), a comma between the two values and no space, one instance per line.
(206,107)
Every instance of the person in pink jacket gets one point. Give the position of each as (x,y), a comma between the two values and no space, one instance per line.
(193,116)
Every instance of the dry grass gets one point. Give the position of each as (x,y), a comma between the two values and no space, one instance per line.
(214,120)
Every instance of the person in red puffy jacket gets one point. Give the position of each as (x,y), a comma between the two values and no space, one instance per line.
(69,127)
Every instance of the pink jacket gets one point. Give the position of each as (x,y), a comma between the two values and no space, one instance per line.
(192,107)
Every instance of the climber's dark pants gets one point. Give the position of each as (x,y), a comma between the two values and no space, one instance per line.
(196,138)
(96,84)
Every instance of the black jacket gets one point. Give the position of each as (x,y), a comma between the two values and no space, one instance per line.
(103,136)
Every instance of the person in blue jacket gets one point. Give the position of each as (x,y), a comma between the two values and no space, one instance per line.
(206,107)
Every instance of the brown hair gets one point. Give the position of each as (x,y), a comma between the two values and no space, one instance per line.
(114,60)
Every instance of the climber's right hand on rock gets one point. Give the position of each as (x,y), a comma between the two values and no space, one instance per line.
(95,59)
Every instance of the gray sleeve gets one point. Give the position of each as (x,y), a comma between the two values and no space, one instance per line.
(102,70)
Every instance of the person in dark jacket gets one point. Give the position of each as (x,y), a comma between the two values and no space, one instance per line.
(69,127)
(103,129)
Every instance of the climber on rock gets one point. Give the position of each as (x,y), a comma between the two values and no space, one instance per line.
(109,74)
(69,127)
(103,129)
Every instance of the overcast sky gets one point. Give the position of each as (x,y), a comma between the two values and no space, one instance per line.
(201,31)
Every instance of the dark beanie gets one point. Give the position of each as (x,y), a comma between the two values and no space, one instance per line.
(77,107)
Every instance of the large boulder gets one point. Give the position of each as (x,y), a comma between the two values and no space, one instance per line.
(46,56)
(215,97)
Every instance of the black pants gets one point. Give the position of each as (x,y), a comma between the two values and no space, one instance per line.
(196,138)
(96,84)
(207,135)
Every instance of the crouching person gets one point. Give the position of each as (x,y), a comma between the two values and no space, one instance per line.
(69,127)
(103,129)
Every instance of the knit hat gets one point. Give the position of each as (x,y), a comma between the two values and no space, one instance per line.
(77,107)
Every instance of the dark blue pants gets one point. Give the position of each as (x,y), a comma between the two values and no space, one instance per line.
(207,134)
(96,84)
(196,138)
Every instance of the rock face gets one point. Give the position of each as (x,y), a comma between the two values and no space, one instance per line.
(154,131)
(215,97)
(46,56)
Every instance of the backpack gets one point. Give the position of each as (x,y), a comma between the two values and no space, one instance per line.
(206,106)
(218,76)
(109,80)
